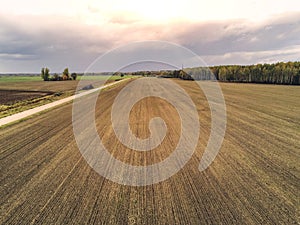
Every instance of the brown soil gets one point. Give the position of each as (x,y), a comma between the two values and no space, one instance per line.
(8,97)
(253,180)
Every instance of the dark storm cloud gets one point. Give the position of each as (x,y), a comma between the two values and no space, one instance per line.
(56,42)
(13,40)
(30,42)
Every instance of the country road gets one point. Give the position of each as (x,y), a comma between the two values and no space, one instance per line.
(30,112)
(254,179)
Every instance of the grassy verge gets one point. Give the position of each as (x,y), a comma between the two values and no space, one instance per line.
(7,110)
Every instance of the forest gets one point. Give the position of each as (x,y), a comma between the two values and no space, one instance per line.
(277,73)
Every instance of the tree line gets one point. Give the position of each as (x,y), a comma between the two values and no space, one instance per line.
(277,73)
(45,75)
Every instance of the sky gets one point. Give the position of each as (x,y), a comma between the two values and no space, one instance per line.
(73,33)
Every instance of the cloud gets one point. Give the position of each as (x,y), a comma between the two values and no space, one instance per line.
(12,56)
(29,42)
(242,36)
(55,43)
(291,53)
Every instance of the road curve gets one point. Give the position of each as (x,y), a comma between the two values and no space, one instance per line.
(30,112)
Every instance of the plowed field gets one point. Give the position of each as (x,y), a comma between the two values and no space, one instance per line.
(253,180)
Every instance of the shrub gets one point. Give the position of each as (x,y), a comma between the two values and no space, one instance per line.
(74,76)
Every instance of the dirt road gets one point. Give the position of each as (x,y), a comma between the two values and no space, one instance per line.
(30,112)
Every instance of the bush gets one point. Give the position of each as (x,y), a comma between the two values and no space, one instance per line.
(74,76)
(55,77)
